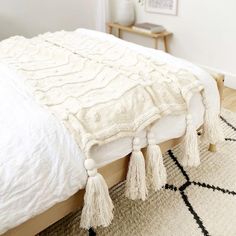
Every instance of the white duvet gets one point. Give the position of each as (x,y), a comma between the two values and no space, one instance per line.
(40,163)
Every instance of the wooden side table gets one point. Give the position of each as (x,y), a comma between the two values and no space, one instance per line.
(156,36)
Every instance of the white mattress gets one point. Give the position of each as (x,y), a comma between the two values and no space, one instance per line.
(41,165)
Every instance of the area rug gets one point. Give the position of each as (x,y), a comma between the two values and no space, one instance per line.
(195,202)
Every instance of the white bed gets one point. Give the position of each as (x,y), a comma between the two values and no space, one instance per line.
(40,163)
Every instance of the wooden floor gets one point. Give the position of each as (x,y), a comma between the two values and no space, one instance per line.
(229,100)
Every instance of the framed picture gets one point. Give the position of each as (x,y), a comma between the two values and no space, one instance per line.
(162,6)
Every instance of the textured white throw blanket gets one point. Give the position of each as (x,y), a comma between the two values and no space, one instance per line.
(102,92)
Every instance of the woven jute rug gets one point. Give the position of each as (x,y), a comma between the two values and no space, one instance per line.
(196,201)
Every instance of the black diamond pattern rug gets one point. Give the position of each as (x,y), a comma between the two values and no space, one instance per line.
(196,201)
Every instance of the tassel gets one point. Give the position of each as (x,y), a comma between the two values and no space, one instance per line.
(213,131)
(191,152)
(98,206)
(156,171)
(136,177)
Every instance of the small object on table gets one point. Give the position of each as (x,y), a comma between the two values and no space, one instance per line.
(125,12)
(156,36)
(149,28)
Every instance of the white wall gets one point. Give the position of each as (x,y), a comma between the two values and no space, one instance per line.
(31,17)
(204,30)
(204,33)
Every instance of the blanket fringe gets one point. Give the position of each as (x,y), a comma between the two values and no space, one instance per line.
(191,152)
(98,206)
(156,171)
(212,129)
(136,176)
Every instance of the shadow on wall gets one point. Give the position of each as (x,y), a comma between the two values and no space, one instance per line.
(8,26)
(29,18)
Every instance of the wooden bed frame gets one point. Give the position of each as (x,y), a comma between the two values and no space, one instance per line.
(113,174)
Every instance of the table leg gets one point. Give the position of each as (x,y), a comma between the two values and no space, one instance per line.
(119,33)
(156,43)
(109,29)
(165,43)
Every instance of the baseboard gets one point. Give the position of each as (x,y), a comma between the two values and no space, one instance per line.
(230,79)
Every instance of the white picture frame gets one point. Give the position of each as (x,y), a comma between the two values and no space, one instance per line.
(168,7)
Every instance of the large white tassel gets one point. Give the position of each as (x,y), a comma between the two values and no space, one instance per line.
(191,149)
(213,131)
(156,171)
(136,176)
(98,206)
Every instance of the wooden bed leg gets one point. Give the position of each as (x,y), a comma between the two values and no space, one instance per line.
(91,232)
(212,147)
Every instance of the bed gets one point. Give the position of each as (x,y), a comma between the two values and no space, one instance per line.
(47,178)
